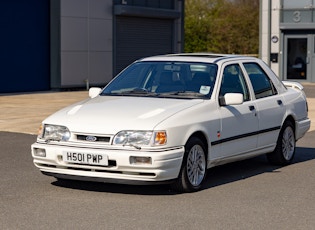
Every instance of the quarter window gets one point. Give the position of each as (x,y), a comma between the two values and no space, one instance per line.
(262,85)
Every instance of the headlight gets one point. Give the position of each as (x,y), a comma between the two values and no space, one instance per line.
(54,133)
(140,138)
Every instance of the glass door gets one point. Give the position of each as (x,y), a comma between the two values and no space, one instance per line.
(296,58)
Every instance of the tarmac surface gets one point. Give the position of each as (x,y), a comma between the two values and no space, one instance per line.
(23,113)
(250,194)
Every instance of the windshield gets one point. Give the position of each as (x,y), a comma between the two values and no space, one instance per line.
(164,79)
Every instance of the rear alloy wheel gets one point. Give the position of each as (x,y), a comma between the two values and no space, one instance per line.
(194,167)
(285,149)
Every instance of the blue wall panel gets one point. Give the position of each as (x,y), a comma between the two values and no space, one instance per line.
(25,45)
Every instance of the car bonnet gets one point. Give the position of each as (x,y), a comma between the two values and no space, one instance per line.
(111,114)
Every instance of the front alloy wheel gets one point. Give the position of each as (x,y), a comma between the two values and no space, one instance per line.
(194,167)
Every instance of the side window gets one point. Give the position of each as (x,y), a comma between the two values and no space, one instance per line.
(233,81)
(262,85)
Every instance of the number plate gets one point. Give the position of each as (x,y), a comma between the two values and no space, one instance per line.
(85,158)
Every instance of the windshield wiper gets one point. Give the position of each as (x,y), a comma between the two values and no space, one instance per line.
(138,91)
(184,93)
(143,92)
(133,92)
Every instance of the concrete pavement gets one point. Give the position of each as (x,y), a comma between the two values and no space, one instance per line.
(23,113)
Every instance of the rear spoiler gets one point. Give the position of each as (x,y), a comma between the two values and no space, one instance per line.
(293,84)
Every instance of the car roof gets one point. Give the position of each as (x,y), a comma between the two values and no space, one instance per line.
(196,57)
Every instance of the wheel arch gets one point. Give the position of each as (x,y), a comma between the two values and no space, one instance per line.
(203,138)
(291,119)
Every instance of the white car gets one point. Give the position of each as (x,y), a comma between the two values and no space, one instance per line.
(167,119)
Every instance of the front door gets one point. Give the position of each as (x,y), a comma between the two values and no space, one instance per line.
(238,134)
(299,57)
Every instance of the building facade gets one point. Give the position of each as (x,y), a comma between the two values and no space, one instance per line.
(56,44)
(287,38)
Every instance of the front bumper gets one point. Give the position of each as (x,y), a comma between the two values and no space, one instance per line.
(165,164)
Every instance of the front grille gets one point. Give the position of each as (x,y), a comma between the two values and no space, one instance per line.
(90,138)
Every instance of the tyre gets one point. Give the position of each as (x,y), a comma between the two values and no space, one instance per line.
(194,167)
(285,148)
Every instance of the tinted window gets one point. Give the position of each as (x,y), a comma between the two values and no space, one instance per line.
(233,81)
(261,83)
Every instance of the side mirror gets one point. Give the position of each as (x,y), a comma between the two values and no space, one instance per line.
(94,92)
(231,99)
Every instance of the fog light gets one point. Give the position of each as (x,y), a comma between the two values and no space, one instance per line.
(39,152)
(140,160)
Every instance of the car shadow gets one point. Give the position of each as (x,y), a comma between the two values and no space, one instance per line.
(252,167)
(163,189)
(216,176)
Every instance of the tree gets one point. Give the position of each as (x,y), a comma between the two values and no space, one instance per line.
(222,26)
(197,26)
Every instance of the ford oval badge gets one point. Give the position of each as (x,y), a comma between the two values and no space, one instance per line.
(90,138)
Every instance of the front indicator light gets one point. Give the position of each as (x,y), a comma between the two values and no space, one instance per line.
(140,160)
(40,130)
(160,138)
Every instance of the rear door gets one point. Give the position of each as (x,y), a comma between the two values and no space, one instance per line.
(269,105)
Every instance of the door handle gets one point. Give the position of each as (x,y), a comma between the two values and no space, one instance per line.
(279,102)
(251,107)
